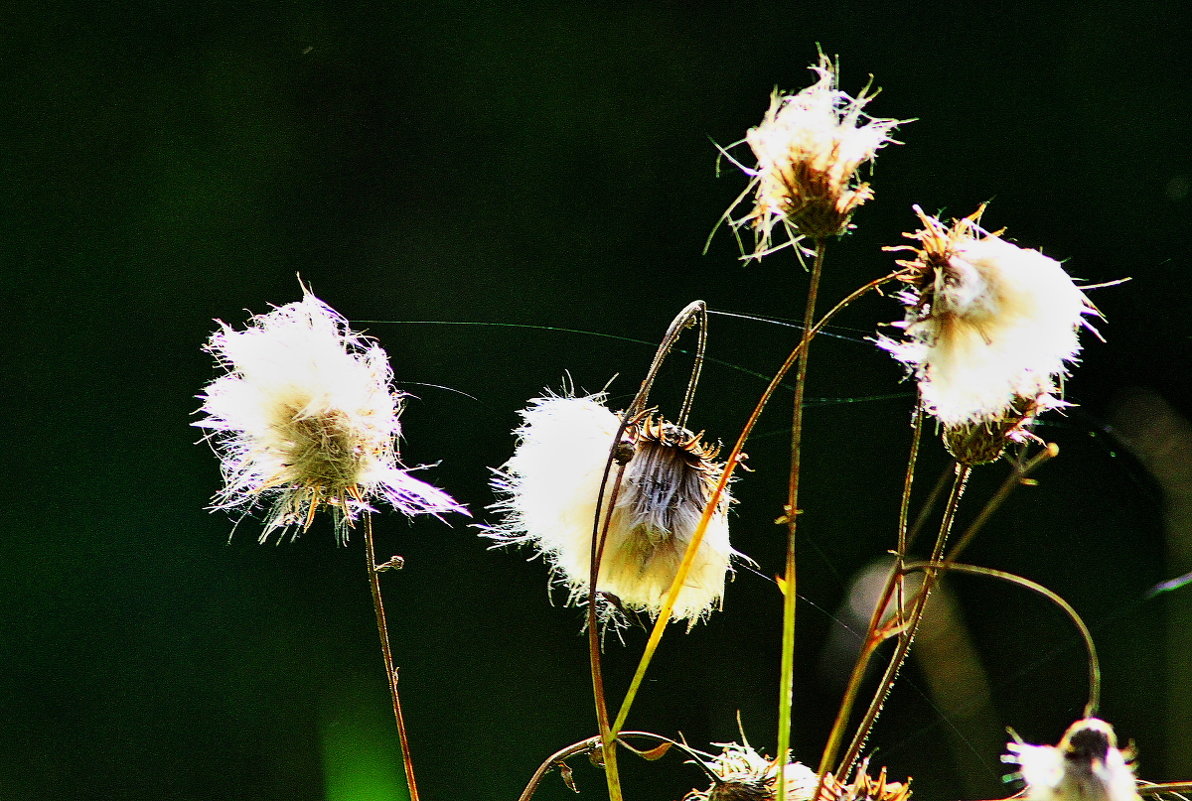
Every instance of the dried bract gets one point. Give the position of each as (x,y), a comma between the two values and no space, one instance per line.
(1087,765)
(305,416)
(990,328)
(549,490)
(809,147)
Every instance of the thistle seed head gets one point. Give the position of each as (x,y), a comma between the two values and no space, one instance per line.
(305,416)
(550,487)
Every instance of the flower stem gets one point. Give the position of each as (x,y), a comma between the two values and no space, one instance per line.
(374,584)
(906,633)
(735,457)
(786,679)
(874,635)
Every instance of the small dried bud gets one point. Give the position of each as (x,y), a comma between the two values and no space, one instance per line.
(550,486)
(742,774)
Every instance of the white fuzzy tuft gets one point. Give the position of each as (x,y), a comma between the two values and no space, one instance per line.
(305,415)
(809,147)
(1086,766)
(549,490)
(989,324)
(741,772)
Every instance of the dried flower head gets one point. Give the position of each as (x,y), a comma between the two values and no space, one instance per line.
(1087,765)
(742,774)
(990,328)
(305,416)
(809,148)
(549,490)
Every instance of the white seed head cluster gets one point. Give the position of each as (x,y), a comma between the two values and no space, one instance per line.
(550,487)
(809,147)
(1087,765)
(304,416)
(742,774)
(990,326)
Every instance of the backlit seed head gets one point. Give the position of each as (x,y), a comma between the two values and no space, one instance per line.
(990,330)
(549,490)
(1087,765)
(305,416)
(808,149)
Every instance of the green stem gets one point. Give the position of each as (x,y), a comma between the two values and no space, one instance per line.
(786,678)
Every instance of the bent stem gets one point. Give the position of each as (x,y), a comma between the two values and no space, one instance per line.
(593,744)
(786,678)
(1094,664)
(735,457)
(374,584)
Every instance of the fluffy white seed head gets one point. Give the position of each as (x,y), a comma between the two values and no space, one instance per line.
(1087,765)
(990,327)
(550,487)
(304,416)
(809,147)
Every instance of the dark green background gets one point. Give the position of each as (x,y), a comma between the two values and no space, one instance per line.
(167,164)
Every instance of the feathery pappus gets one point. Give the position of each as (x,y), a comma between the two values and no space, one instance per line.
(809,147)
(304,416)
(549,490)
(990,330)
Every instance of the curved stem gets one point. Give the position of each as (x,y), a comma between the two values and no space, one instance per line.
(786,678)
(374,584)
(694,312)
(734,458)
(590,745)
(1094,699)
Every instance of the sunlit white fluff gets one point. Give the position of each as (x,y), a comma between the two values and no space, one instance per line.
(808,148)
(305,415)
(990,326)
(549,489)
(742,774)
(1086,766)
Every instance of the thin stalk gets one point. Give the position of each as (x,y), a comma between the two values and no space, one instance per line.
(907,633)
(734,458)
(786,678)
(608,739)
(874,634)
(374,584)
(1012,482)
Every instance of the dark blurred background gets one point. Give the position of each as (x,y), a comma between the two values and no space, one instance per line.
(554,166)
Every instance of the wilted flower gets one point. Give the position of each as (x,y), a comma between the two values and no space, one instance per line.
(550,486)
(306,416)
(742,774)
(809,147)
(990,328)
(1086,766)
